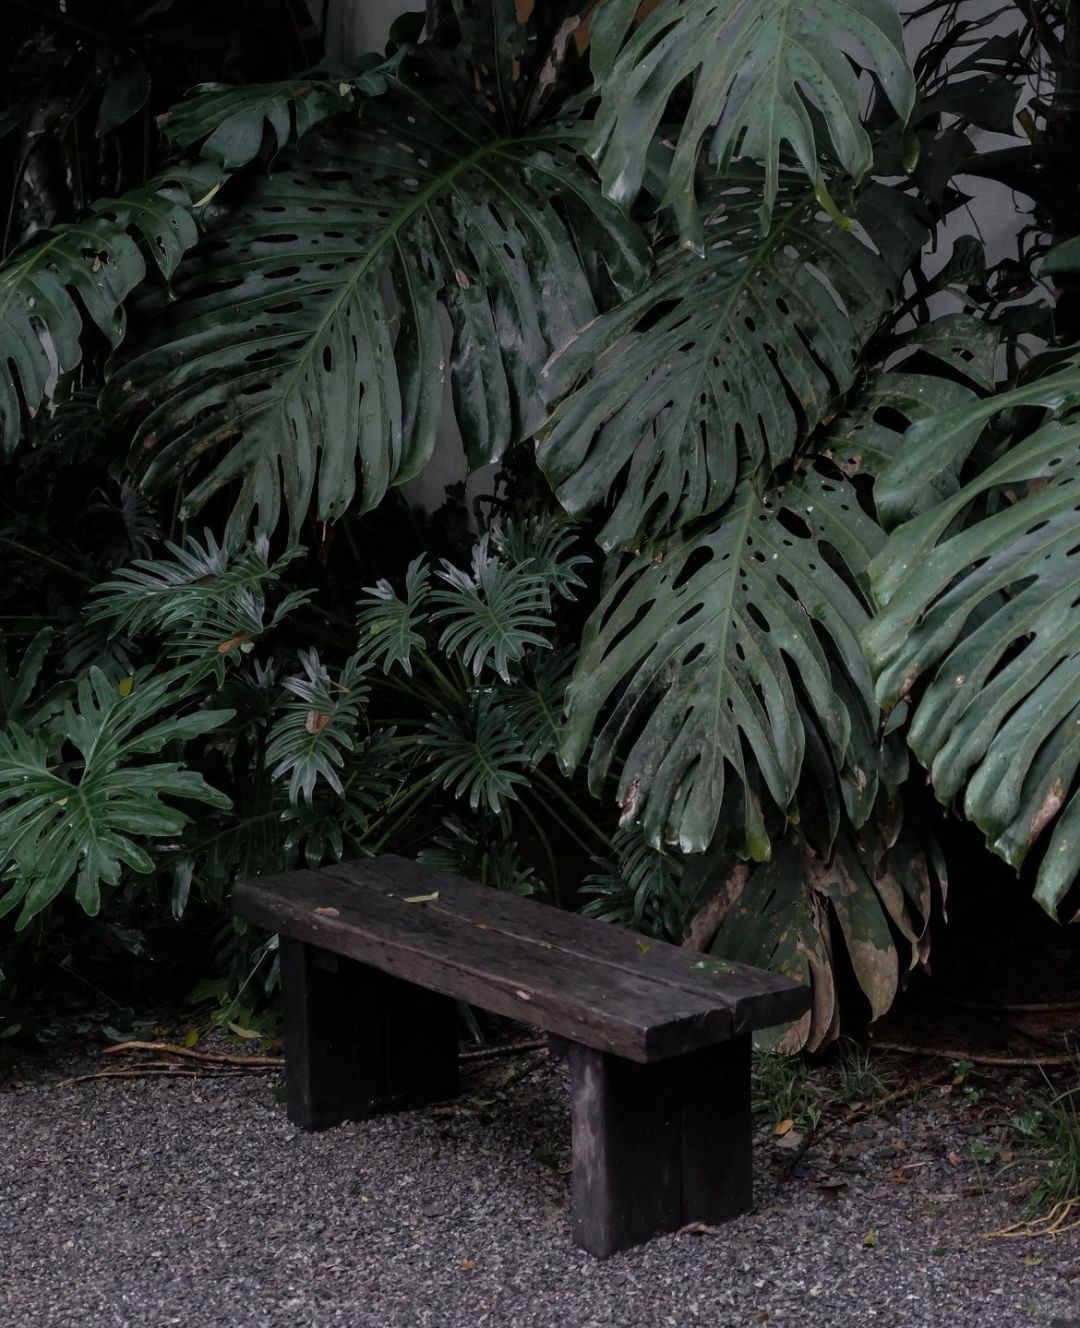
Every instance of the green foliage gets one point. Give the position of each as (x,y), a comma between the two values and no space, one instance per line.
(313,734)
(480,853)
(640,887)
(229,123)
(390,626)
(205,603)
(78,806)
(767,74)
(773,422)
(87,268)
(704,655)
(1051,1133)
(982,634)
(751,348)
(283,357)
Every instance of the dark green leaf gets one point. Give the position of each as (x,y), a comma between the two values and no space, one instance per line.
(741,354)
(758,67)
(285,364)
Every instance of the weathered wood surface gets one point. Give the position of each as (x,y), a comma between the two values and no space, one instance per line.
(658,1146)
(584,980)
(359,1042)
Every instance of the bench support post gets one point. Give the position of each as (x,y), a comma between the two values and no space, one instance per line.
(658,1146)
(359,1042)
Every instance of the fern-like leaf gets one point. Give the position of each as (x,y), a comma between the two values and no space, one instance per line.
(315,733)
(390,626)
(480,758)
(79,821)
(207,600)
(494,614)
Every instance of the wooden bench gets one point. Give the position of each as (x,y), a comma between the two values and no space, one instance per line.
(375,953)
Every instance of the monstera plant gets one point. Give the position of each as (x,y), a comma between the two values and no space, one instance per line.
(667,262)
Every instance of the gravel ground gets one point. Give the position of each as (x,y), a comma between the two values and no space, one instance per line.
(193,1202)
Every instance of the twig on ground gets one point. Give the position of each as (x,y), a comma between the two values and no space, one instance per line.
(1055,1223)
(507,1049)
(151,1071)
(980,1058)
(189,1053)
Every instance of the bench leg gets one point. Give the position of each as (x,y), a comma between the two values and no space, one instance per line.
(658,1146)
(359,1042)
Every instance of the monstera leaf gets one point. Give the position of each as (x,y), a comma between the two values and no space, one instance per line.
(742,353)
(86,271)
(519,55)
(304,355)
(978,621)
(230,123)
(871,437)
(871,898)
(710,653)
(767,73)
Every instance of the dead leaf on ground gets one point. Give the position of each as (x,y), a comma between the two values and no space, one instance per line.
(783,1127)
(699,1229)
(468,1265)
(954,1158)
(870,1240)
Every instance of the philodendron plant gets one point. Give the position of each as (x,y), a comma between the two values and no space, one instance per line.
(677,252)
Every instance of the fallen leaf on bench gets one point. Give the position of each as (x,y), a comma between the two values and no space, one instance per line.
(328,912)
(419,899)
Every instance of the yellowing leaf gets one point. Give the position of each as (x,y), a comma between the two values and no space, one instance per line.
(870,1240)
(420,899)
(242,1032)
(783,1127)
(191,1037)
(126,684)
(643,947)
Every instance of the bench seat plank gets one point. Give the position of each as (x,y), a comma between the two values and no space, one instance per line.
(584,980)
(756,998)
